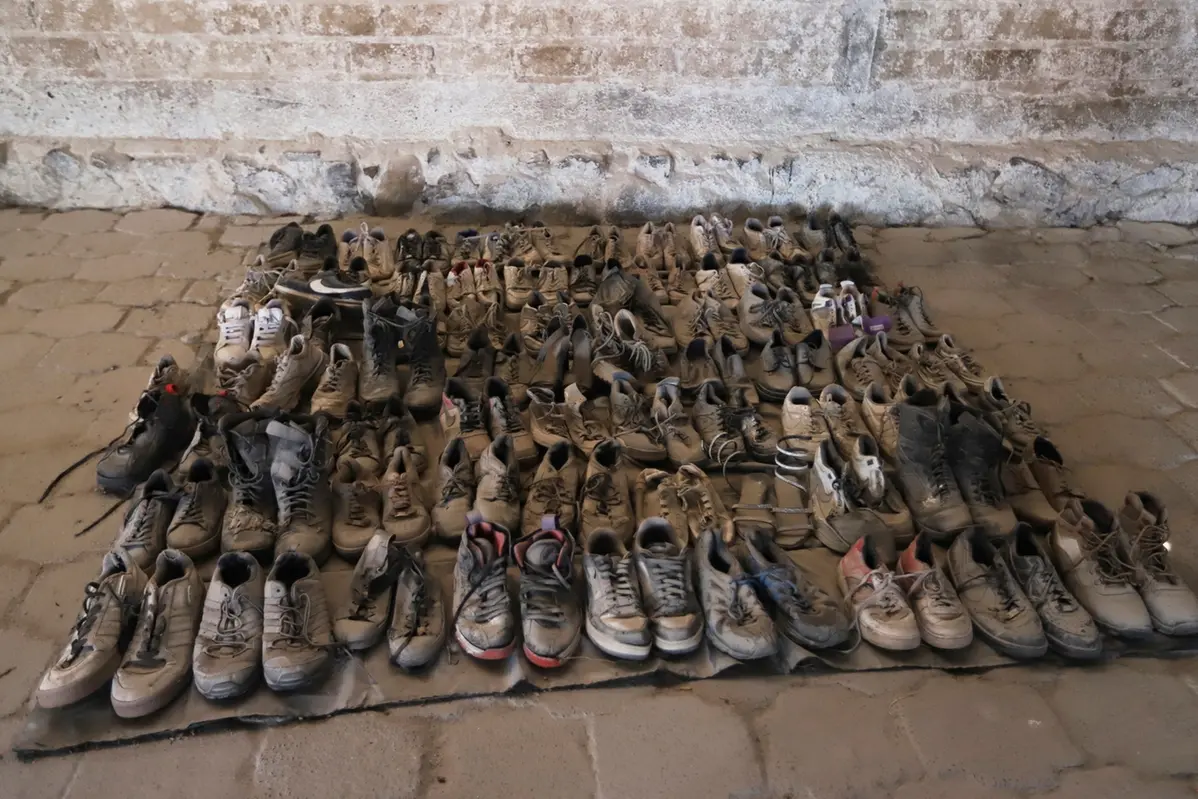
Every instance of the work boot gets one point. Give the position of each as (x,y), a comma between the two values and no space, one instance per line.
(235,327)
(157,665)
(357,509)
(774,371)
(462,417)
(682,441)
(246,379)
(505,419)
(943,621)
(249,518)
(554,490)
(484,624)
(356,439)
(717,423)
(298,371)
(801,610)
(856,369)
(1053,477)
(227,656)
(1001,612)
(737,622)
(515,367)
(498,495)
(1068,627)
(547,412)
(880,609)
(143,530)
(665,572)
(297,636)
(455,490)
(359,623)
(405,505)
(1012,418)
(477,362)
(814,365)
(426,379)
(606,501)
(111,605)
(377,378)
(300,473)
(586,432)
(195,528)
(1170,602)
(632,425)
(803,421)
(923,472)
(418,619)
(162,430)
(695,366)
(338,386)
(976,455)
(615,621)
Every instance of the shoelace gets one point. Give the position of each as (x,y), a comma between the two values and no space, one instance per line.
(505,489)
(774,238)
(509,418)
(931,584)
(93,593)
(861,369)
(551,491)
(667,576)
(885,595)
(1044,586)
(295,498)
(740,607)
(399,494)
(968,364)
(235,381)
(783,360)
(1019,415)
(142,528)
(1112,568)
(982,487)
(189,510)
(554,420)
(153,626)
(266,330)
(777,582)
(419,619)
(616,582)
(1154,555)
(353,443)
(235,331)
(366,593)
(774,313)
(1000,580)
(293,623)
(471,415)
(602,489)
(911,298)
(488,586)
(454,487)
(355,510)
(229,639)
(380,349)
(539,595)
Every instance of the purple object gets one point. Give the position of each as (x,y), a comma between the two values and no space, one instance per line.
(872,325)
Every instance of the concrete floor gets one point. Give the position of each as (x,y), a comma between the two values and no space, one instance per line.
(1096,328)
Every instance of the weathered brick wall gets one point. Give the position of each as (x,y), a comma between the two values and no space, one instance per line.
(932,110)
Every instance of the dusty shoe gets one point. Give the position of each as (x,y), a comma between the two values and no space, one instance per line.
(844,512)
(249,518)
(426,365)
(825,312)
(555,278)
(207,443)
(484,624)
(143,531)
(632,425)
(841,414)
(462,417)
(722,321)
(498,497)
(760,441)
(586,431)
(894,364)
(338,386)
(682,441)
(297,637)
(298,370)
(554,490)
(1023,493)
(879,608)
(690,320)
(856,369)
(606,500)
(584,280)
(396,427)
(803,421)
(714,279)
(930,370)
(718,423)
(454,491)
(923,473)
(476,363)
(356,509)
(664,568)
(550,364)
(792,497)
(1069,628)
(235,325)
(647,273)
(377,379)
(1048,467)
(418,623)
(300,476)
(911,306)
(162,431)
(360,622)
(581,352)
(405,507)
(550,613)
(976,455)
(195,528)
(615,621)
(1013,418)
(657,494)
(1002,613)
(1170,602)
(774,371)
(520,281)
(227,656)
(534,321)
(737,622)
(761,314)
(547,413)
(943,622)
(961,363)
(801,610)
(244,380)
(515,367)
(356,439)
(814,364)
(504,418)
(730,366)
(695,366)
(111,605)
(880,420)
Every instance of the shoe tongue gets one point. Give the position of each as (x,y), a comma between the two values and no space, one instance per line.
(483,550)
(543,553)
(663,548)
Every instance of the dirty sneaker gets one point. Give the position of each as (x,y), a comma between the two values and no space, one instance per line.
(273,328)
(664,568)
(143,531)
(454,490)
(405,506)
(377,378)
(227,656)
(297,636)
(235,326)
(360,621)
(801,610)
(338,385)
(1170,602)
(554,489)
(356,509)
(606,500)
(550,613)
(483,621)
(418,623)
(737,622)
(298,370)
(615,620)
(299,473)
(976,455)
(1001,612)
(195,528)
(462,417)
(498,496)
(249,518)
(504,418)
(683,444)
(162,431)
(923,473)
(943,622)
(880,611)
(632,425)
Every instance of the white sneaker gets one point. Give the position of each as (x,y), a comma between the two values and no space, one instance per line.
(236,324)
(825,309)
(272,330)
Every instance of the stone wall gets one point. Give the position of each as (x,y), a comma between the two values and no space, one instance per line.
(932,111)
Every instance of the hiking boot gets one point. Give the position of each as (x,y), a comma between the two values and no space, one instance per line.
(515,368)
(1170,602)
(554,489)
(737,622)
(1023,493)
(923,473)
(207,444)
(547,412)
(760,440)
(418,622)
(143,531)
(227,655)
(477,362)
(717,423)
(246,379)
(1068,627)
(405,507)
(297,639)
(409,248)
(455,490)
(111,604)
(462,417)
(632,424)
(682,441)
(162,430)
(943,622)
(426,379)
(665,574)
(520,281)
(359,623)
(356,440)
(774,371)
(695,366)
(338,386)
(657,494)
(606,501)
(615,621)
(1002,613)
(377,379)
(484,624)
(195,528)
(1053,477)
(157,665)
(879,608)
(911,306)
(880,420)
(1012,418)
(585,430)
(356,509)
(235,324)
(801,610)
(803,421)
(298,371)
(498,495)
(856,369)
(300,475)
(814,365)
(505,419)
(976,455)
(249,517)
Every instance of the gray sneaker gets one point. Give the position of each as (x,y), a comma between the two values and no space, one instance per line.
(801,610)
(515,367)
(249,524)
(110,609)
(300,476)
(554,490)
(195,529)
(454,492)
(683,444)
(606,500)
(504,418)
(550,614)
(357,510)
(976,455)
(483,622)
(586,431)
(297,638)
(631,423)
(227,657)
(943,620)
(774,372)
(405,504)
(143,532)
(359,623)
(338,385)
(760,440)
(923,474)
(665,572)
(547,412)
(157,666)
(615,620)
(737,622)
(418,623)
(298,370)
(1170,602)
(497,498)
(1069,628)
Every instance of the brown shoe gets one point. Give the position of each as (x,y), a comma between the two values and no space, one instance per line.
(646,246)
(632,425)
(298,369)
(504,418)
(1048,467)
(498,497)
(803,422)
(455,490)
(722,321)
(774,371)
(841,414)
(814,365)
(514,366)
(547,412)
(657,494)
(520,281)
(761,313)
(856,369)
(648,275)
(683,444)
(717,423)
(554,489)
(356,509)
(690,319)
(585,430)
(881,423)
(545,243)
(695,366)
(405,505)
(606,501)
(477,362)
(730,367)
(462,417)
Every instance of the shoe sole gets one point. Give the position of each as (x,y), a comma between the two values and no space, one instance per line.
(500,653)
(71,693)
(735,656)
(946,643)
(1015,651)
(1075,652)
(225,690)
(683,647)
(608,645)
(541,661)
(769,395)
(136,708)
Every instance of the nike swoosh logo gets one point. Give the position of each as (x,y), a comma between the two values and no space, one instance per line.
(318,285)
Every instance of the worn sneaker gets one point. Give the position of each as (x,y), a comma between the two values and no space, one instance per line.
(943,622)
(498,496)
(504,418)
(632,425)
(356,440)
(880,610)
(300,476)
(1011,417)
(484,624)
(658,493)
(814,365)
(550,614)
(520,281)
(801,610)
(273,328)
(207,444)
(515,367)
(227,656)
(454,491)
(359,623)
(857,369)
(803,421)
(1002,613)
(842,416)
(923,473)
(911,306)
(845,511)
(297,639)
(405,513)
(462,417)
(976,455)
(760,440)
(586,431)
(695,366)
(418,622)
(615,621)
(249,518)
(664,569)
(196,526)
(1048,467)
(235,325)
(1068,627)
(165,373)
(162,431)
(298,371)
(879,419)
(111,604)
(774,371)
(554,489)
(338,385)
(142,536)
(547,413)
(737,622)
(682,441)
(356,509)
(1021,490)
(1170,602)
(718,423)
(245,380)
(476,363)
(157,666)
(606,500)
(761,314)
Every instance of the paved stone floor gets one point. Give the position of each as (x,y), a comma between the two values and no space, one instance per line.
(1096,328)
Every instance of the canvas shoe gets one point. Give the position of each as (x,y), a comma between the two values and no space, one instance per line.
(632,424)
(879,607)
(960,363)
(462,417)
(300,474)
(227,656)
(161,432)
(606,499)
(195,528)
(142,536)
(774,371)
(484,624)
(586,431)
(857,369)
(504,418)
(111,605)
(454,490)
(923,472)
(737,622)
(1170,602)
(801,610)
(803,421)
(418,624)
(943,622)
(615,619)
(157,665)
(1053,477)
(682,441)
(297,635)
(298,370)
(359,623)
(554,490)
(1002,613)
(1070,630)
(665,574)
(235,325)
(976,454)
